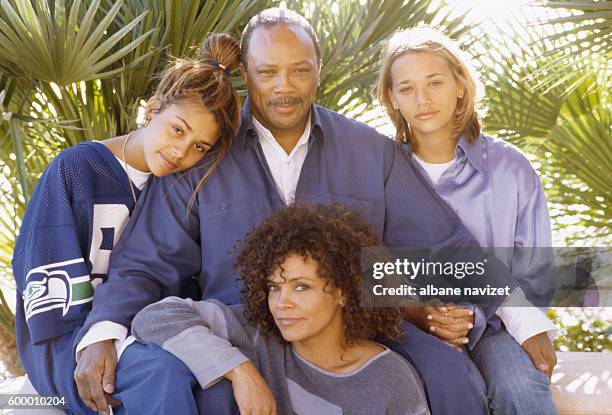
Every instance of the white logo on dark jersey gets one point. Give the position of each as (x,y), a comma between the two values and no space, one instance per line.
(50,286)
(65,284)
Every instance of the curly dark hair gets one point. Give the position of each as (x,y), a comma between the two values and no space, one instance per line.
(333,237)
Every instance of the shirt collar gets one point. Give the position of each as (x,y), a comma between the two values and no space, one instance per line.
(475,152)
(265,134)
(247,129)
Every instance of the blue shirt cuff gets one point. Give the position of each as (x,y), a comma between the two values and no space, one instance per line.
(480,325)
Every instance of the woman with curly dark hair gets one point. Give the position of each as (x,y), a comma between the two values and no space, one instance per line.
(301,327)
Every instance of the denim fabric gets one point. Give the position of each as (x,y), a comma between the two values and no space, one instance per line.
(152,381)
(514,385)
(452,383)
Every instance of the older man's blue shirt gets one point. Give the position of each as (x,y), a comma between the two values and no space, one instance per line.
(348,162)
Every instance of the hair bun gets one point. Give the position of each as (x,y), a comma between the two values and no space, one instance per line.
(222,48)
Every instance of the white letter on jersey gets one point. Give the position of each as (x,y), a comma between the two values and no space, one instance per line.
(105,216)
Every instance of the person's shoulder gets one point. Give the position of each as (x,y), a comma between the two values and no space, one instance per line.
(502,152)
(402,369)
(73,157)
(350,128)
(85,148)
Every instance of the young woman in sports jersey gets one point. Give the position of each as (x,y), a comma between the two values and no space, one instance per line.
(303,326)
(431,93)
(84,198)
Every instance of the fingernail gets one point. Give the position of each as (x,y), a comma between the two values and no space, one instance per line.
(429,317)
(432,328)
(465,341)
(444,309)
(542,366)
(470,325)
(471,313)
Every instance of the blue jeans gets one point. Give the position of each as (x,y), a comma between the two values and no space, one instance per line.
(152,381)
(451,381)
(514,385)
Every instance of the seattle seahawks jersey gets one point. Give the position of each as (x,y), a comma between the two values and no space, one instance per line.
(75,216)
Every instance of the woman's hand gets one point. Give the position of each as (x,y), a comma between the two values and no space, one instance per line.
(251,391)
(448,322)
(95,375)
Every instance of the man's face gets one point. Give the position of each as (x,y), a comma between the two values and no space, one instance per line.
(282,76)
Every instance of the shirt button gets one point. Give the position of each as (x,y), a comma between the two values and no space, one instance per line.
(222,206)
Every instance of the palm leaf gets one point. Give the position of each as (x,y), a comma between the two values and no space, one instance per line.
(583,34)
(565,126)
(42,42)
(579,171)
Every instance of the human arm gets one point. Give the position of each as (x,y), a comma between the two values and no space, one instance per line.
(252,393)
(532,261)
(146,253)
(157,252)
(49,262)
(523,312)
(196,333)
(203,335)
(55,261)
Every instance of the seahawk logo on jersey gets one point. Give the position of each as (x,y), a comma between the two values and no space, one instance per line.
(60,285)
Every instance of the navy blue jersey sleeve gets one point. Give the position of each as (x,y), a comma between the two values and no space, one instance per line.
(51,273)
(157,252)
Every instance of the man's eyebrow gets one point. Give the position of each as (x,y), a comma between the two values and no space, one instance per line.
(302,62)
(272,65)
(186,124)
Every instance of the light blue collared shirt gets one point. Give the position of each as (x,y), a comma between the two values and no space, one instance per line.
(498,196)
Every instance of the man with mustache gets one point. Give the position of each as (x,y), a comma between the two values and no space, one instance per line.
(288,150)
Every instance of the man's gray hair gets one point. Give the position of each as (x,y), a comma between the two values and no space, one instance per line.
(273,16)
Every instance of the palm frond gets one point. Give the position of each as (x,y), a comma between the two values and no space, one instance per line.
(54,45)
(578,172)
(583,35)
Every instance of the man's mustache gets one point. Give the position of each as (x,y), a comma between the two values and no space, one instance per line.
(286,101)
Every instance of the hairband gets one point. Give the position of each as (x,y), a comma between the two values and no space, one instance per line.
(218,64)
